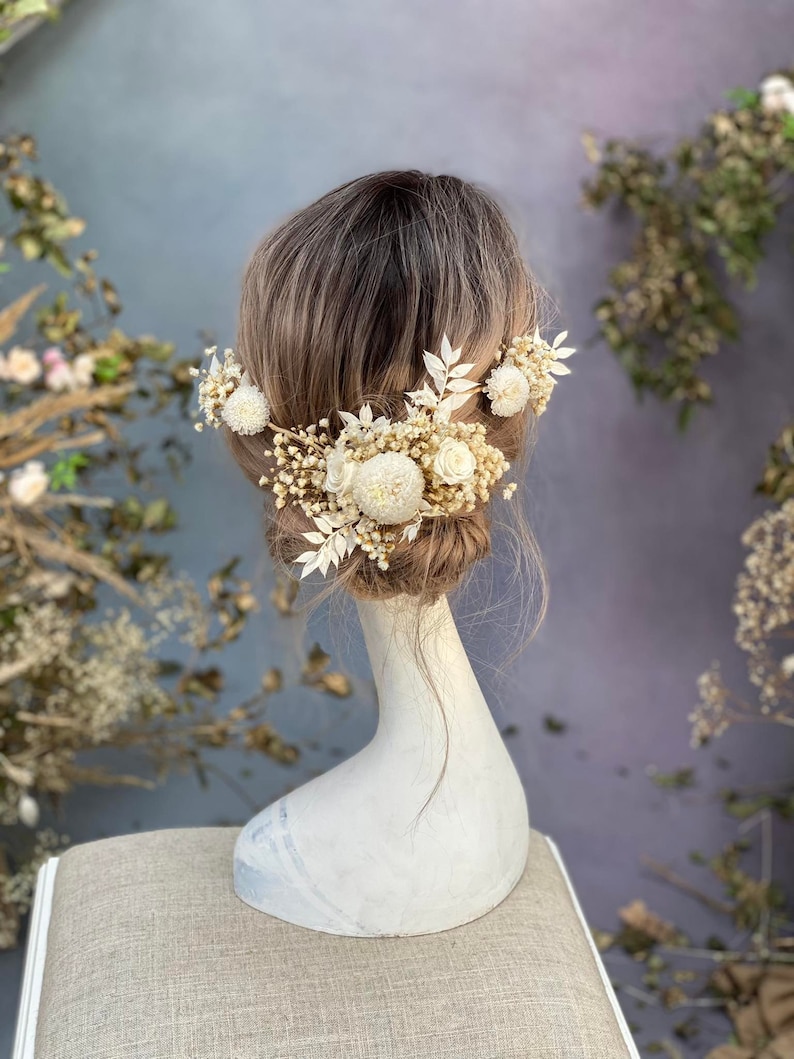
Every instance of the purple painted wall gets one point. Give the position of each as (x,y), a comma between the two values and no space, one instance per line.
(182,131)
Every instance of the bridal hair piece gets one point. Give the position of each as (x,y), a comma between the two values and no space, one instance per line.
(373,485)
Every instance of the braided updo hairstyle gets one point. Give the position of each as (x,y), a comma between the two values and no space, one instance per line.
(338,304)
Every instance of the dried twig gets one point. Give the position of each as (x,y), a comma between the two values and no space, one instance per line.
(101,778)
(46,720)
(13,313)
(42,410)
(85,562)
(12,670)
(683,884)
(727,955)
(51,443)
(78,499)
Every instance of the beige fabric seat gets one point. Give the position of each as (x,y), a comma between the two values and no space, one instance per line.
(150,955)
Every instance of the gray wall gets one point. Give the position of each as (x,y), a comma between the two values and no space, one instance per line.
(183,130)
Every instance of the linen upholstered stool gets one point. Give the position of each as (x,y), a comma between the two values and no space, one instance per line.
(139,949)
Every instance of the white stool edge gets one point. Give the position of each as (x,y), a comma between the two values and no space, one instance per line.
(35,957)
(621,1018)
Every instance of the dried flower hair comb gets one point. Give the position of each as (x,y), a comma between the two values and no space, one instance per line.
(379,479)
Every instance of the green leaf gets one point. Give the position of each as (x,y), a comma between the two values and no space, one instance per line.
(678,780)
(30,246)
(64,471)
(167,667)
(743,97)
(24,8)
(106,369)
(707,225)
(158,515)
(58,260)
(685,413)
(158,351)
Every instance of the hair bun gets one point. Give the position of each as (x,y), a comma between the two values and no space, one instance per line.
(432,565)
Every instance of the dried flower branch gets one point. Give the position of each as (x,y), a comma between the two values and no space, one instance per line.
(715,196)
(764,607)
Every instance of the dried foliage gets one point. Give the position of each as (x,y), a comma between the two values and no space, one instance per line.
(752,981)
(702,210)
(102,643)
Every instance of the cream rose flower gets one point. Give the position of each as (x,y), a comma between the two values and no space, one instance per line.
(341,474)
(455,463)
(27,483)
(22,366)
(388,488)
(507,388)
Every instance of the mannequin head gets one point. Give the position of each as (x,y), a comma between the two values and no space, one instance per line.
(338,304)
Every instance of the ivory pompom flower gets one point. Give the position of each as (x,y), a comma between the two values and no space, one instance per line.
(507,388)
(388,488)
(455,463)
(246,410)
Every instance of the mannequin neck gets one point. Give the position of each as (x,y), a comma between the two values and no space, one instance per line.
(419,665)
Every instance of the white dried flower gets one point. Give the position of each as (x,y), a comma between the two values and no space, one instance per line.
(777,94)
(388,488)
(507,388)
(58,374)
(27,483)
(83,369)
(59,377)
(28,810)
(341,473)
(455,463)
(246,410)
(787,665)
(22,366)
